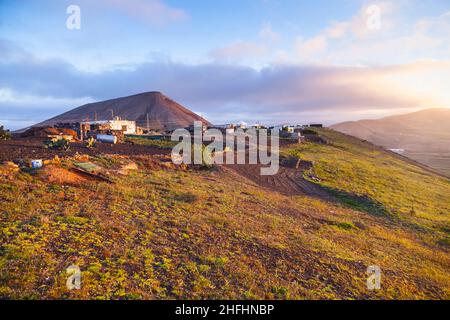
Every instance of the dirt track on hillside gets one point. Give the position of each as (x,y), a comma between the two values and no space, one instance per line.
(287,181)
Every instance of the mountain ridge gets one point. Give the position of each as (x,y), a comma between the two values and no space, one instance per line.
(163,112)
(423,135)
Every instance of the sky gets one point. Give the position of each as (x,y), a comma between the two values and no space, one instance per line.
(267,61)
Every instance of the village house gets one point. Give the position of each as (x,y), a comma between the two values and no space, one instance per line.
(117,124)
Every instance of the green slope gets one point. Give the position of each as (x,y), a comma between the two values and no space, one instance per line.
(163,233)
(377,181)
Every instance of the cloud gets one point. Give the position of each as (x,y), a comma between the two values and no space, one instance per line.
(11,97)
(239,51)
(154,12)
(354,42)
(19,109)
(359,26)
(440,24)
(248,51)
(227,92)
(337,30)
(308,50)
(267,34)
(10,52)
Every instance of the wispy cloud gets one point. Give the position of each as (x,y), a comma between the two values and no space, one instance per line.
(308,50)
(154,12)
(267,34)
(275,94)
(239,51)
(353,42)
(341,69)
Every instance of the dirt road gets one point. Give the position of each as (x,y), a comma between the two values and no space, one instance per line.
(288,181)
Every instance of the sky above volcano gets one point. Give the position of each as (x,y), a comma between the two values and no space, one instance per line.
(269,61)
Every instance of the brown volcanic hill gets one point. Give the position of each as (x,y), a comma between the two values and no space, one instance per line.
(163,112)
(424,135)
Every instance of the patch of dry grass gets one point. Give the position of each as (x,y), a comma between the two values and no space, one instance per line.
(163,233)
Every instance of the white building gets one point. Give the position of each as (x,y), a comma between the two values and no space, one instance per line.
(285,127)
(242,125)
(127,126)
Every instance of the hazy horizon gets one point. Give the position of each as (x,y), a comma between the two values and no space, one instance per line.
(316,118)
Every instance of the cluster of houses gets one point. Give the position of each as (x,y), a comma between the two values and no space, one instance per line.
(115,127)
(286,131)
(118,128)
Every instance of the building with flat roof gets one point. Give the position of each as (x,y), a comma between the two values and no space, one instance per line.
(117,124)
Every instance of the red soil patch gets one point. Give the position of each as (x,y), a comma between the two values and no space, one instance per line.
(58,175)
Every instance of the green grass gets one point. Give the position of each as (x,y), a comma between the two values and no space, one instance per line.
(199,234)
(346,225)
(164,144)
(368,179)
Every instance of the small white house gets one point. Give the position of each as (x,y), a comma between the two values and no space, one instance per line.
(127,126)
(242,125)
(225,128)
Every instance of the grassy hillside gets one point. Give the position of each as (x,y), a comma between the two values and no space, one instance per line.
(424,135)
(164,232)
(369,179)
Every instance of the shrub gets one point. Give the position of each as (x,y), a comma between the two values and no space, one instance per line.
(346,225)
(4,134)
(309,131)
(187,197)
(207,157)
(444,242)
(280,292)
